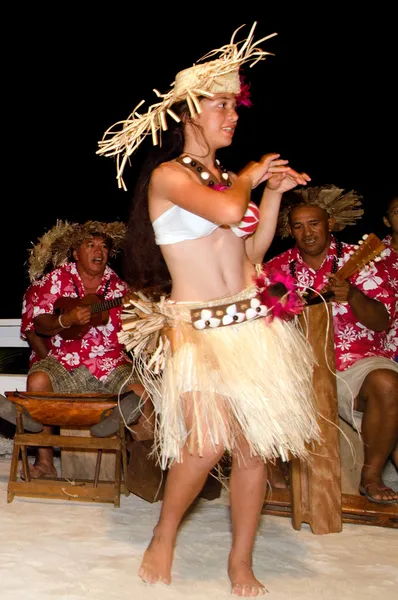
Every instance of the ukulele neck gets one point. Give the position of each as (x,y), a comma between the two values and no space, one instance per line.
(105,305)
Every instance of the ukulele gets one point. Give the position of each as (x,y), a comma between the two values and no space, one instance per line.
(368,248)
(99,312)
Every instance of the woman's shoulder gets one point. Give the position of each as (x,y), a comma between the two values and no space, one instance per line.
(167,168)
(170,172)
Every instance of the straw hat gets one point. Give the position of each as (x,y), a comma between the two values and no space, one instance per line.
(339,205)
(56,246)
(205,79)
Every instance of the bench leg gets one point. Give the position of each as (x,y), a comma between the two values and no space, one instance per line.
(123,443)
(24,452)
(118,474)
(13,470)
(97,467)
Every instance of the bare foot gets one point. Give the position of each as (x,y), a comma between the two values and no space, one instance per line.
(243,581)
(43,469)
(157,561)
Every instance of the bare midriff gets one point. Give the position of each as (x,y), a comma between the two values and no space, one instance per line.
(212,267)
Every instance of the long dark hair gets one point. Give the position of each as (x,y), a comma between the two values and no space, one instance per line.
(143,265)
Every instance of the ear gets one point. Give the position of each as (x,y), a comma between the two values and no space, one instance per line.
(186,117)
(386,222)
(75,255)
(331,223)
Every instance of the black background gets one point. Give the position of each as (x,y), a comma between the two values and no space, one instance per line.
(325,101)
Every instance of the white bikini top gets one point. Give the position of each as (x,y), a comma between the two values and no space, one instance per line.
(177,224)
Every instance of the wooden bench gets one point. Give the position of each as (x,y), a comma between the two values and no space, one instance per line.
(69,412)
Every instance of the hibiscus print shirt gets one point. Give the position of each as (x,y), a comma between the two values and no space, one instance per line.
(353,340)
(99,349)
(391,263)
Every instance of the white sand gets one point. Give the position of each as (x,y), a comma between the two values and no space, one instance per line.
(57,549)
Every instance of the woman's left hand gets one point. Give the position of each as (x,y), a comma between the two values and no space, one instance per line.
(283,182)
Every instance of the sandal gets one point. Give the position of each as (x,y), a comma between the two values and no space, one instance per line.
(129,408)
(364,491)
(8,412)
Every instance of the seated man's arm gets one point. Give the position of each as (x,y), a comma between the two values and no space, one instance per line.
(37,344)
(371,313)
(51,324)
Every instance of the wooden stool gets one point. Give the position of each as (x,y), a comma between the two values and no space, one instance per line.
(71,411)
(80,464)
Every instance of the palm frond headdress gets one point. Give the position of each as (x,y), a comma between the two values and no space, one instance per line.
(56,246)
(343,207)
(205,79)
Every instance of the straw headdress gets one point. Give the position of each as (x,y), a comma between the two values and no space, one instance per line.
(339,205)
(205,79)
(55,247)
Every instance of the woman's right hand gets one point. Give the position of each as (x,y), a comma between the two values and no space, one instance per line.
(260,171)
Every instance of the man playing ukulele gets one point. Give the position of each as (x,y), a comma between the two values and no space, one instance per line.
(363,307)
(93,360)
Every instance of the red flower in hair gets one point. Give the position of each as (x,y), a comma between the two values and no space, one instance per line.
(243,98)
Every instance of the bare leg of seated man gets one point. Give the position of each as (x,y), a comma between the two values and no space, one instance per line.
(44,463)
(247,491)
(378,400)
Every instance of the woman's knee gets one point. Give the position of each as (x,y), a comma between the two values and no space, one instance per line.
(208,456)
(247,461)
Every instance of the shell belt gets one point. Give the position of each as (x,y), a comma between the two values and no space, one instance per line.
(143,320)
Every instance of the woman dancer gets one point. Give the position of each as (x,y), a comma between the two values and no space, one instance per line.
(234,378)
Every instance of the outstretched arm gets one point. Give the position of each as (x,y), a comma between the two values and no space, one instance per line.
(171,183)
(258,244)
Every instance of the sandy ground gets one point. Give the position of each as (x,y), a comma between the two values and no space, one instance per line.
(82,551)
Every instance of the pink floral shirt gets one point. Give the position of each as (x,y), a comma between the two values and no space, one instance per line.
(352,339)
(99,349)
(391,263)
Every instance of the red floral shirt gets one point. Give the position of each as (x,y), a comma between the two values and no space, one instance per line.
(28,302)
(391,262)
(352,339)
(99,349)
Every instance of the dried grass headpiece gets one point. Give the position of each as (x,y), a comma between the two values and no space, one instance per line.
(55,247)
(206,79)
(341,206)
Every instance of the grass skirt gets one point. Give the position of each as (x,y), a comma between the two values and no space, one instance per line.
(252,379)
